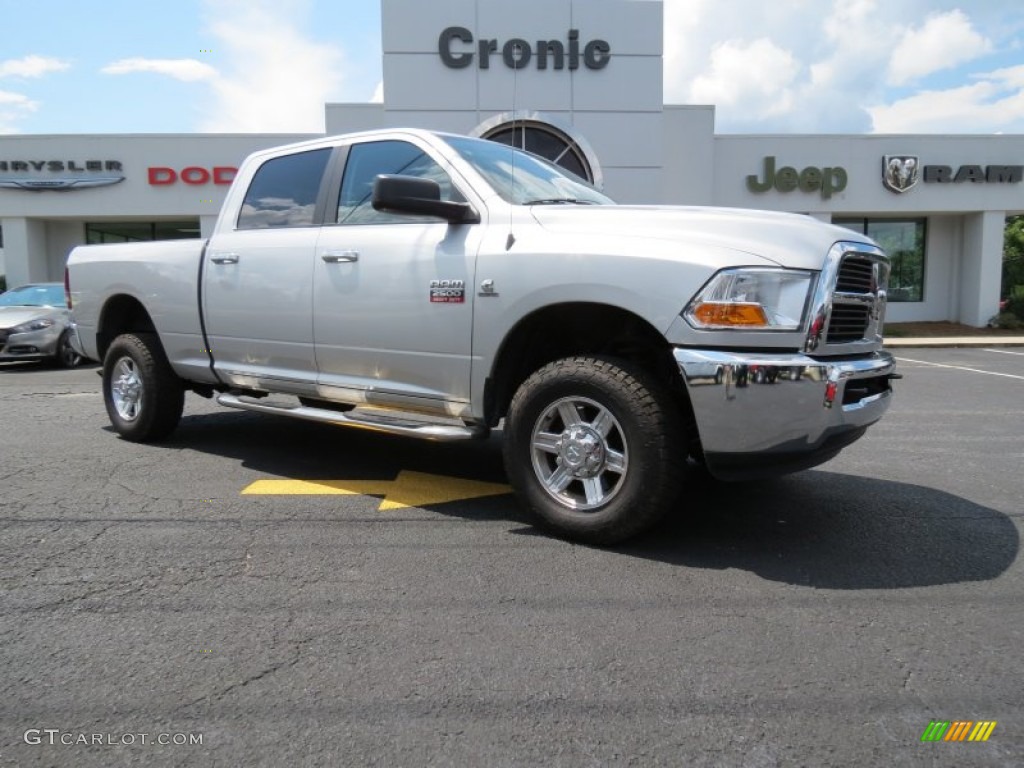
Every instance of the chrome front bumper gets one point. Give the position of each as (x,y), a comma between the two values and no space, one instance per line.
(763,414)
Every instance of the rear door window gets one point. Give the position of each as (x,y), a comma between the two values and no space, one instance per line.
(284,191)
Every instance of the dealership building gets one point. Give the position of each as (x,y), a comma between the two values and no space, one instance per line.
(580,82)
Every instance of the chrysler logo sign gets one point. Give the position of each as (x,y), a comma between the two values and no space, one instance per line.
(900,172)
(71,183)
(91,173)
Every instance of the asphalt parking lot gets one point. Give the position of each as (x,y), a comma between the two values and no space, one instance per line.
(825,618)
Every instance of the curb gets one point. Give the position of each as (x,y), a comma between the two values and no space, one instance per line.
(957,341)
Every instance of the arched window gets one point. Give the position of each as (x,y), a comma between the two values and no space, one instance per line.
(545,140)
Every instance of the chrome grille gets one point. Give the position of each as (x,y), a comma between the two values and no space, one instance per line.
(856,275)
(849,306)
(855,300)
(848,323)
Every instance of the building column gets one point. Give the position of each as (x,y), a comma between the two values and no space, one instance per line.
(24,251)
(981,266)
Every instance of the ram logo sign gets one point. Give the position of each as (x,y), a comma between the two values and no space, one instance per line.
(900,172)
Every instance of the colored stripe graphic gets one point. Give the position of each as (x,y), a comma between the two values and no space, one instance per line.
(982,730)
(935,731)
(959,730)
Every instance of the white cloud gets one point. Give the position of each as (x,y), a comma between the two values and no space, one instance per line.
(17,99)
(945,41)
(271,76)
(995,103)
(756,75)
(188,70)
(31,66)
(810,69)
(14,107)
(859,38)
(809,66)
(275,78)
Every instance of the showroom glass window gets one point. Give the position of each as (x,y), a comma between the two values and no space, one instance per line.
(904,242)
(97,233)
(367,161)
(544,140)
(284,190)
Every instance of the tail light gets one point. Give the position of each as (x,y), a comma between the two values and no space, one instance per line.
(67,288)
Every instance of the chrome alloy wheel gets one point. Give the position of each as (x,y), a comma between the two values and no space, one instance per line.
(126,389)
(579,453)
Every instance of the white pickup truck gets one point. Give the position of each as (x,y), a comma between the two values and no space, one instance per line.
(435,285)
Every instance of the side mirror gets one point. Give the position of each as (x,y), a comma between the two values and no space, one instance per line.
(411,194)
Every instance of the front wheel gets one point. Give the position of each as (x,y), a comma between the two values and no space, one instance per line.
(144,397)
(66,357)
(595,448)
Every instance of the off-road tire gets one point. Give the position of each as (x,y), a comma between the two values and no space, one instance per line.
(644,437)
(136,363)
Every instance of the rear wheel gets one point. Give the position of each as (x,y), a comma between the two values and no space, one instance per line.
(143,396)
(595,448)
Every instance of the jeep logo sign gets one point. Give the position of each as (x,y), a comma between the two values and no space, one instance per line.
(456,49)
(811,179)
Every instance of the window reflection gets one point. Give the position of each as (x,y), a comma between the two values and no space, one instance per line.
(284,190)
(903,240)
(367,161)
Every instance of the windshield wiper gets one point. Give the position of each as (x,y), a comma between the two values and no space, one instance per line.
(559,201)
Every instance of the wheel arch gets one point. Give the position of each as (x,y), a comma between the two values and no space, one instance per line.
(121,313)
(583,328)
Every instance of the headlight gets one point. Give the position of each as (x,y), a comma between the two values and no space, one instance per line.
(34,325)
(752,299)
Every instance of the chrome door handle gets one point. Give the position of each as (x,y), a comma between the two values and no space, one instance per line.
(224,258)
(340,257)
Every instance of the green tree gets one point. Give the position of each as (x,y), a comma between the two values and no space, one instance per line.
(1013,256)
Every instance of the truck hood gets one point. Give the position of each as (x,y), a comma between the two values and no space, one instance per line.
(787,239)
(12,316)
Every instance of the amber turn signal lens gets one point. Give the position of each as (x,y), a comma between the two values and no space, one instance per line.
(722,313)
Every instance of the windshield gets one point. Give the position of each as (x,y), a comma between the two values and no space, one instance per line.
(34,296)
(524,179)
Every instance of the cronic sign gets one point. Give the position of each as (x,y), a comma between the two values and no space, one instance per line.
(458,49)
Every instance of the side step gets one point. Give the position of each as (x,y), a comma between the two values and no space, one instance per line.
(392,422)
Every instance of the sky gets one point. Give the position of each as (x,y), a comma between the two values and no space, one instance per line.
(768,66)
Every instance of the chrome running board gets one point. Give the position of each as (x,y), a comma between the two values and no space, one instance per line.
(377,420)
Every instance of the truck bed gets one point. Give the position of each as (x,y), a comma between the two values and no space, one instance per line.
(169,270)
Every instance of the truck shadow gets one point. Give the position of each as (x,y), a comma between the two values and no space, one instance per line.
(816,528)
(828,530)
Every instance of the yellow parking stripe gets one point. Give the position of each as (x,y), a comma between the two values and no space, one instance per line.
(409,489)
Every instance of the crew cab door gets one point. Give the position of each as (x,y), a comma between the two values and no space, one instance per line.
(384,330)
(258,278)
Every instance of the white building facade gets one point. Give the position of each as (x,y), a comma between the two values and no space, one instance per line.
(579,81)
